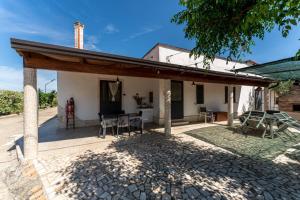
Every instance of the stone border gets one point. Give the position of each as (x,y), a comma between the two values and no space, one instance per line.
(9,116)
(19,153)
(21,113)
(38,168)
(42,173)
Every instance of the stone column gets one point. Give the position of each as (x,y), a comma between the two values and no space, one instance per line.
(230,106)
(167,95)
(30,114)
(266,99)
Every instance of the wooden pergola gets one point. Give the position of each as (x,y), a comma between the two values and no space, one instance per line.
(58,58)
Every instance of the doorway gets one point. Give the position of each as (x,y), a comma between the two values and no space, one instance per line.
(110,97)
(176,99)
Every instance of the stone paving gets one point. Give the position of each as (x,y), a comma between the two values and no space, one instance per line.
(153,166)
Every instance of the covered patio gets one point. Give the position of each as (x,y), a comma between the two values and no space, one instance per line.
(52,57)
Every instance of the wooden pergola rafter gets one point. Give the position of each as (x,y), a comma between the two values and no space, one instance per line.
(58,58)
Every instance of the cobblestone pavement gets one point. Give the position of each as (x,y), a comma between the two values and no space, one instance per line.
(153,166)
(11,130)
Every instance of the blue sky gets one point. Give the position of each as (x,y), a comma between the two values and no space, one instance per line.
(120,27)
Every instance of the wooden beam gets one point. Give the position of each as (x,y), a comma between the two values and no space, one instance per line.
(124,69)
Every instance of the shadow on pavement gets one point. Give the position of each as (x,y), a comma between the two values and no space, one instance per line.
(153,166)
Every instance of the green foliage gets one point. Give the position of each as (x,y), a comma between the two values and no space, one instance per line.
(282,87)
(230,26)
(10,102)
(52,98)
(47,99)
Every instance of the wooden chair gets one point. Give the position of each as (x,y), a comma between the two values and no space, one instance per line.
(136,122)
(106,122)
(123,122)
(206,114)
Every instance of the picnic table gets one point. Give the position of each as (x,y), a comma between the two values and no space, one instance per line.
(265,120)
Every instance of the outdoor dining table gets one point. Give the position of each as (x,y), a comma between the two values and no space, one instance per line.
(111,121)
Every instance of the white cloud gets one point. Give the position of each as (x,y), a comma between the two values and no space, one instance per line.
(110,28)
(12,79)
(91,43)
(13,23)
(144,31)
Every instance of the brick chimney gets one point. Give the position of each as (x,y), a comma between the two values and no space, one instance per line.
(78,35)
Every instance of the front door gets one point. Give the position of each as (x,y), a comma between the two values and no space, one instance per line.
(258,99)
(110,97)
(176,99)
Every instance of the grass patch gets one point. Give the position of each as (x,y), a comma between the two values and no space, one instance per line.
(252,145)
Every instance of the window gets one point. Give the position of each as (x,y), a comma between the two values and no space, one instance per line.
(226,94)
(200,94)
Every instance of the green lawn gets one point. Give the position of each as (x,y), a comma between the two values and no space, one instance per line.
(249,145)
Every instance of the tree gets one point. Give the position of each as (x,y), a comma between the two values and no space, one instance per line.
(282,88)
(230,26)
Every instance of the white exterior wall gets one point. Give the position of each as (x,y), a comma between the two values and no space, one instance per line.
(85,89)
(214,94)
(214,99)
(153,54)
(183,58)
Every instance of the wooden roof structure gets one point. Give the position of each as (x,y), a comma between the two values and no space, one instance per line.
(59,58)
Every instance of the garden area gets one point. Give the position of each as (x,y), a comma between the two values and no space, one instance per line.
(252,144)
(12,101)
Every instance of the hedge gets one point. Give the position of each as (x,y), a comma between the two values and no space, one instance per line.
(47,99)
(12,101)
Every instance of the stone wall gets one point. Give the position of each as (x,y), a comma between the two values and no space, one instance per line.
(286,102)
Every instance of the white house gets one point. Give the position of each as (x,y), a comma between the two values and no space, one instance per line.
(173,85)
(86,90)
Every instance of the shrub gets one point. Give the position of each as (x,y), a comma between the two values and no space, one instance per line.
(10,102)
(52,98)
(47,99)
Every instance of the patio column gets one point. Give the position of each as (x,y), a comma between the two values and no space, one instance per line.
(167,96)
(266,99)
(30,114)
(230,106)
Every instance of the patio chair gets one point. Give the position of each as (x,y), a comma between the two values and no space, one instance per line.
(106,122)
(206,114)
(136,123)
(123,122)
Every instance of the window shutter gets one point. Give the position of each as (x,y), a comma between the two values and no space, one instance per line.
(234,92)
(200,94)
(226,94)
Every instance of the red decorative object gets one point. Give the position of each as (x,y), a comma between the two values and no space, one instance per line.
(70,113)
